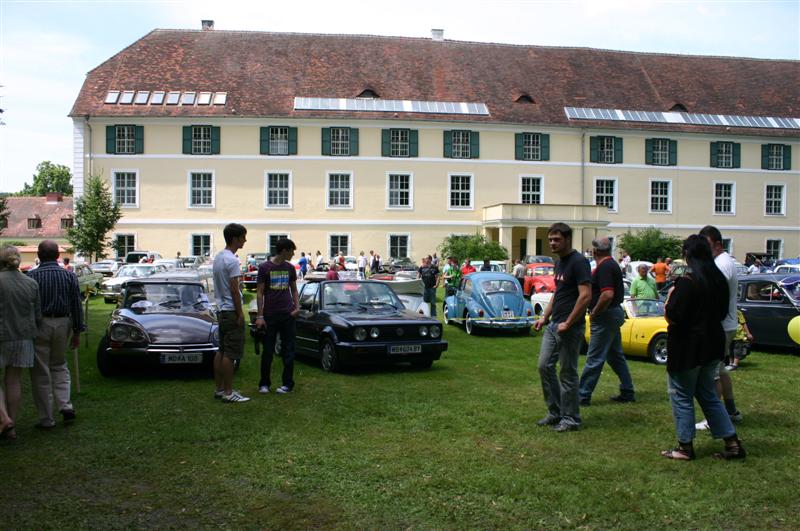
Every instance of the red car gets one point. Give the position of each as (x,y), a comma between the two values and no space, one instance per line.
(539,277)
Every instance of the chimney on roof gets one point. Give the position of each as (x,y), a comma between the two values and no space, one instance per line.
(437,35)
(54,197)
(207,25)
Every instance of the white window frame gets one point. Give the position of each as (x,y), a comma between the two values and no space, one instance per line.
(126,142)
(342,147)
(650,196)
(396,146)
(465,150)
(389,243)
(471,176)
(271,234)
(114,173)
(780,250)
(783,199)
(541,187)
(328,194)
(665,160)
(602,151)
(410,176)
(616,192)
(213,189)
(535,147)
(267,206)
(135,239)
(278,143)
(210,242)
(777,159)
(349,242)
(720,154)
(199,143)
(730,249)
(714,198)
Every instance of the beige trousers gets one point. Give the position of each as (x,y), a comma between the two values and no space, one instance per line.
(50,379)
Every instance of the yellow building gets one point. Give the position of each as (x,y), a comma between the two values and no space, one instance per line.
(358,143)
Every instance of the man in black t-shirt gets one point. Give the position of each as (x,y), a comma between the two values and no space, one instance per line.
(606,314)
(564,321)
(429,274)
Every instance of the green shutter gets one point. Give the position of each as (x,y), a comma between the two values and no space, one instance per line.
(413,143)
(386,142)
(448,144)
(648,151)
(474,145)
(787,157)
(765,156)
(519,141)
(353,142)
(594,148)
(263,140)
(326,140)
(215,138)
(673,152)
(292,141)
(138,139)
(187,139)
(714,154)
(111,139)
(617,150)
(737,155)
(544,144)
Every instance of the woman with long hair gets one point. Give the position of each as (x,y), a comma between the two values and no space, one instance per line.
(20,314)
(696,343)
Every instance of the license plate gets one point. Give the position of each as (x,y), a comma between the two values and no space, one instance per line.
(196,357)
(508,314)
(405,349)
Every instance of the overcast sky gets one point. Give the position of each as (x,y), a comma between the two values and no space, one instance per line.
(47,46)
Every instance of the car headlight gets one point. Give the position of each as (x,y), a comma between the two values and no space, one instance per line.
(127,333)
(360,334)
(423,331)
(436,332)
(215,336)
(374,332)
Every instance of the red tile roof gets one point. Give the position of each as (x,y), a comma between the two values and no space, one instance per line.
(23,208)
(263,72)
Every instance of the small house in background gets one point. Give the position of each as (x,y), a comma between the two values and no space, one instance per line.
(33,219)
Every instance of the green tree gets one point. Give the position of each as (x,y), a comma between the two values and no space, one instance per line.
(3,214)
(650,243)
(96,214)
(49,178)
(475,247)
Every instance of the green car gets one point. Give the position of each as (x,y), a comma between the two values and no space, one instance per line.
(87,278)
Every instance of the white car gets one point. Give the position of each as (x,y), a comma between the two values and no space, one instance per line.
(106,267)
(539,301)
(111,289)
(412,293)
(632,270)
(169,263)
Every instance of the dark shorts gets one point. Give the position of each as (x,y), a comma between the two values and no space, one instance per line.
(231,336)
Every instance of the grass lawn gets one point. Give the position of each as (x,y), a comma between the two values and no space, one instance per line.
(452,447)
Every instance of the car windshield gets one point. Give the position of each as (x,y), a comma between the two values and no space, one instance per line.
(646,308)
(134,271)
(359,294)
(792,286)
(499,286)
(166,297)
(541,271)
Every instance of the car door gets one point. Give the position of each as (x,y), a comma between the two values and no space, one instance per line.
(306,324)
(767,310)
(627,327)
(464,292)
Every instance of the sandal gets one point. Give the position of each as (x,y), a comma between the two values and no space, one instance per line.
(733,450)
(682,452)
(8,432)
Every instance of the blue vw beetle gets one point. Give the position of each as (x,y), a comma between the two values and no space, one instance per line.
(489,300)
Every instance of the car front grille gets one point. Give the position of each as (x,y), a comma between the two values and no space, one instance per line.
(175,348)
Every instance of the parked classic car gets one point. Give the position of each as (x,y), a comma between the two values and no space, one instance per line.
(644,332)
(539,301)
(112,287)
(538,259)
(412,293)
(363,321)
(538,278)
(160,322)
(769,302)
(489,300)
(106,267)
(87,278)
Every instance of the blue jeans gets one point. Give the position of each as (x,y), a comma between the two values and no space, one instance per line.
(283,324)
(697,383)
(605,344)
(561,393)
(430,297)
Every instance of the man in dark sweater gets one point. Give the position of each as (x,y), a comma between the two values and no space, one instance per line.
(606,317)
(564,323)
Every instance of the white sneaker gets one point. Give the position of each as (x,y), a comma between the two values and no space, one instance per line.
(702,425)
(282,390)
(263,389)
(235,396)
(219,393)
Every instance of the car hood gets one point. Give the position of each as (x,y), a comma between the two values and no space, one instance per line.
(171,327)
(382,317)
(116,281)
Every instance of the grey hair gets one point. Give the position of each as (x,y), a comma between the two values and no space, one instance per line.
(9,258)
(602,244)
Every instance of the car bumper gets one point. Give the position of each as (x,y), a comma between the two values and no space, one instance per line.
(354,353)
(512,324)
(164,355)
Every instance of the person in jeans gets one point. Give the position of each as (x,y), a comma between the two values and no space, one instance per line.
(695,309)
(606,314)
(278,306)
(564,319)
(227,273)
(430,279)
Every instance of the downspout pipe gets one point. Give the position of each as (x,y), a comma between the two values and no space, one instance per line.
(88,125)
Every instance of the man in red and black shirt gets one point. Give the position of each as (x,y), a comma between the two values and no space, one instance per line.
(606,317)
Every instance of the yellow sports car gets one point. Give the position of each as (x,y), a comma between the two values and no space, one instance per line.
(644,332)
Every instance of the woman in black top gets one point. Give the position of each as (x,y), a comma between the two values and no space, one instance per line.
(696,343)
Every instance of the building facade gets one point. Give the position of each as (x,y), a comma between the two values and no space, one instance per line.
(355,143)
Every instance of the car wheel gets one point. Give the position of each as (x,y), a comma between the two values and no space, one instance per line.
(107,366)
(446,314)
(328,359)
(469,326)
(109,301)
(537,309)
(657,350)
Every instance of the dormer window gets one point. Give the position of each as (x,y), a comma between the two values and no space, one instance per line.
(368,94)
(524,98)
(35,223)
(678,107)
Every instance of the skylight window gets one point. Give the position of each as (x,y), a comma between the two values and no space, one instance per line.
(682,118)
(141,97)
(377,105)
(112,96)
(188,98)
(158,98)
(173,98)
(220,98)
(127,97)
(204,98)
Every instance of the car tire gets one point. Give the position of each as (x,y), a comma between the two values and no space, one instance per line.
(422,364)
(107,366)
(446,314)
(537,310)
(470,328)
(328,359)
(657,349)
(109,301)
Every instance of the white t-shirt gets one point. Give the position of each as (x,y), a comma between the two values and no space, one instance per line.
(319,259)
(226,266)
(726,264)
(362,261)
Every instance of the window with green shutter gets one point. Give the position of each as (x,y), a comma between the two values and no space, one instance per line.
(726,155)
(461,144)
(661,152)
(399,143)
(124,139)
(605,149)
(278,140)
(776,157)
(531,146)
(201,140)
(340,141)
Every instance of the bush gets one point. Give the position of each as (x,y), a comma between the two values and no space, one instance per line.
(475,247)
(651,243)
